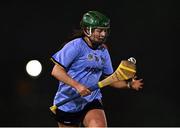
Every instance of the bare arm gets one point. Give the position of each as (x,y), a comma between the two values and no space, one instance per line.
(134,84)
(60,74)
(119,84)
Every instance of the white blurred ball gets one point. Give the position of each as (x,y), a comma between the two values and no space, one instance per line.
(34,68)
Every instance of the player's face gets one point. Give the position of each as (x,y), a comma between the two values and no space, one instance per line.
(99,35)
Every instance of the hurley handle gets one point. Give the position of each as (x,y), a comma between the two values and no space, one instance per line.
(77,95)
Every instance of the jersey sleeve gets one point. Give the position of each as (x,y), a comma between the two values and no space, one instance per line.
(107,69)
(66,55)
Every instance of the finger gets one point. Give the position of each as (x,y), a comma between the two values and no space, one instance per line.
(81,94)
(140,87)
(137,89)
(88,91)
(135,77)
(140,79)
(141,84)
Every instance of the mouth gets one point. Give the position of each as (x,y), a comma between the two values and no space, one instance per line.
(102,39)
(99,40)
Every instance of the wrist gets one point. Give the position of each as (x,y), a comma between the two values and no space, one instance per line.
(129,84)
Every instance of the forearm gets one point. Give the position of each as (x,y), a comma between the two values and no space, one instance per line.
(119,84)
(60,74)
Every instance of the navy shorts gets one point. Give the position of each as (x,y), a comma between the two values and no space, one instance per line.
(76,119)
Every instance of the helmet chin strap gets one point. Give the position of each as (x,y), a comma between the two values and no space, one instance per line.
(91,42)
(88,32)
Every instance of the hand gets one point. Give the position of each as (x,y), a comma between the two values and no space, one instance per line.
(82,90)
(136,83)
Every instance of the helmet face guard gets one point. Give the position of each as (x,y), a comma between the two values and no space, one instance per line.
(95,19)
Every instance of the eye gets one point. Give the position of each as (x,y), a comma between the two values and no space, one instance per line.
(98,30)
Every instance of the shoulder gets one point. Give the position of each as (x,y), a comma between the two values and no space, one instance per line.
(105,46)
(75,42)
(74,45)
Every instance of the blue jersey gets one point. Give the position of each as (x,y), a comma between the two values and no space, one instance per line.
(85,65)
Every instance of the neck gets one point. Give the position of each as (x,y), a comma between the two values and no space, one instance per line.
(93,45)
(88,41)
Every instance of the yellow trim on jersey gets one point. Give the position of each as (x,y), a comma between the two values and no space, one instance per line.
(53,61)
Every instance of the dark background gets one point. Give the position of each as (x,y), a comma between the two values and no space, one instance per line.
(145,30)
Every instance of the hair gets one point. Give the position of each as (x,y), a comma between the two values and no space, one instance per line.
(76,33)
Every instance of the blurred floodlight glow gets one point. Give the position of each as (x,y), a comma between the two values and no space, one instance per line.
(33,68)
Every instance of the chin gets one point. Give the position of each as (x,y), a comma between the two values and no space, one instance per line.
(99,42)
